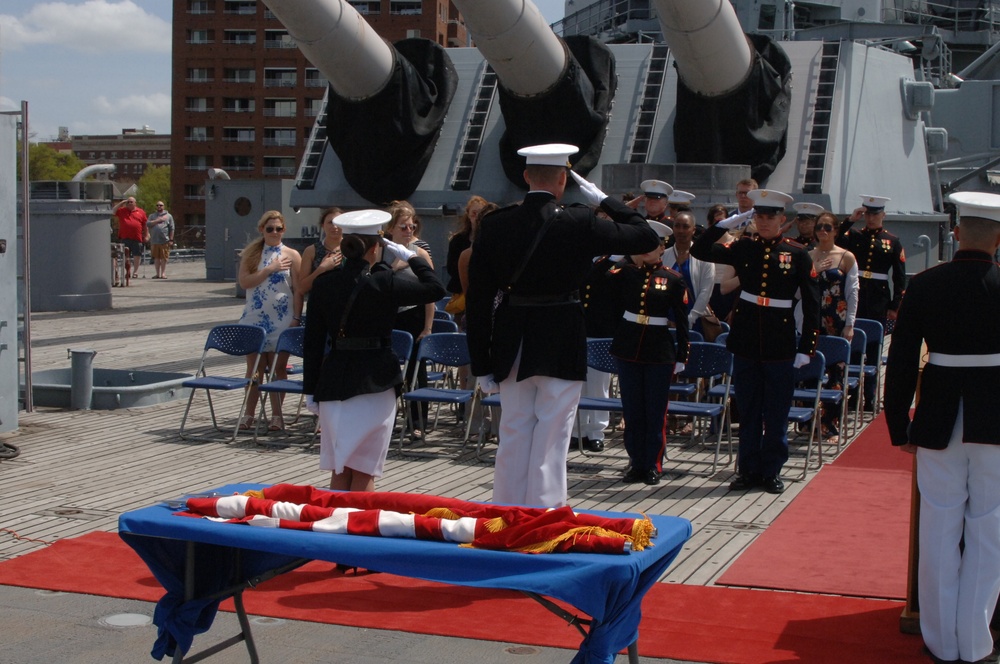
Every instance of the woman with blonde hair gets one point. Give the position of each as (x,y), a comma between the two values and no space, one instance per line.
(266,272)
(459,241)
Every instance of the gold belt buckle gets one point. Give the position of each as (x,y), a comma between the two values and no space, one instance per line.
(763,301)
(642,319)
(867,274)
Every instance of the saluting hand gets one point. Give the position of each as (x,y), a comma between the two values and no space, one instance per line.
(590,191)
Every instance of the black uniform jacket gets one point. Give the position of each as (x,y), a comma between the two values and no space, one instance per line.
(877,251)
(602,304)
(656,291)
(345,373)
(553,334)
(955,308)
(779,269)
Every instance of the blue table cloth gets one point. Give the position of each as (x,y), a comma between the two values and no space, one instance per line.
(608,588)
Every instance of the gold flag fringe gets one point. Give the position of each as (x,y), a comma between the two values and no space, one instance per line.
(255,493)
(642,533)
(443,513)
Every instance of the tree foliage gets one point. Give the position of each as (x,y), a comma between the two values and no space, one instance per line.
(45,163)
(154,185)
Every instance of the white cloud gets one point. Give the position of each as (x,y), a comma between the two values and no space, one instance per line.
(94,26)
(155,105)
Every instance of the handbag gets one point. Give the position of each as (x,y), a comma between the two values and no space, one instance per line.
(711,327)
(456,304)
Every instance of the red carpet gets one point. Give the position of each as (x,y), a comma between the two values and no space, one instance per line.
(845,534)
(680,622)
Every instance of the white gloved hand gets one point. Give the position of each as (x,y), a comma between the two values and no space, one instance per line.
(487,384)
(678,367)
(738,220)
(311,405)
(392,251)
(590,191)
(801,360)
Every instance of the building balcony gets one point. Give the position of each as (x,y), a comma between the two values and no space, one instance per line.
(199,80)
(278,170)
(277,113)
(279,43)
(280,83)
(279,142)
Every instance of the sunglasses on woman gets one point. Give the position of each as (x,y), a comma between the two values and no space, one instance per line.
(275,229)
(824,227)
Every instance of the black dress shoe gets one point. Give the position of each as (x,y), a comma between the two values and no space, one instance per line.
(651,477)
(743,482)
(992,658)
(633,476)
(593,445)
(772,484)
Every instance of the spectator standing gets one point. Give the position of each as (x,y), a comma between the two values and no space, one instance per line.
(131,229)
(160,229)
(954,309)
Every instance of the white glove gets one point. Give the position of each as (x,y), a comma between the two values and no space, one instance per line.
(311,405)
(678,367)
(738,220)
(392,251)
(590,191)
(801,360)
(487,385)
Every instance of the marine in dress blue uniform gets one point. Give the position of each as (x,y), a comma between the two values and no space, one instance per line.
(880,258)
(773,271)
(529,335)
(647,353)
(955,432)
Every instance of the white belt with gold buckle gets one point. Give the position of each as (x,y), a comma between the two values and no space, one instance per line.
(877,276)
(762,301)
(643,319)
(948,360)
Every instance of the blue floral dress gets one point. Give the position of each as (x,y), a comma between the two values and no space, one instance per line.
(269,304)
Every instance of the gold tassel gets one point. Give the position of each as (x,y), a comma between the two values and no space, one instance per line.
(642,532)
(255,493)
(550,545)
(495,525)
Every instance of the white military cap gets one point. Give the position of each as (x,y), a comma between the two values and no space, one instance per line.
(656,188)
(550,154)
(874,202)
(662,230)
(808,209)
(678,197)
(363,222)
(768,200)
(977,204)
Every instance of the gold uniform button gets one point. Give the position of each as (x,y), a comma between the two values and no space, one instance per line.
(763,284)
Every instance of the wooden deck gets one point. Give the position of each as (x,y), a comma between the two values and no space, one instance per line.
(77,470)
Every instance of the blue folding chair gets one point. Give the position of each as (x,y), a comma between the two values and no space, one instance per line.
(875,336)
(600,359)
(447,349)
(712,363)
(402,346)
(440,314)
(856,379)
(290,341)
(812,373)
(439,325)
(235,340)
(836,350)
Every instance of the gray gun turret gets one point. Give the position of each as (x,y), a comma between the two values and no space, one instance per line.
(387,102)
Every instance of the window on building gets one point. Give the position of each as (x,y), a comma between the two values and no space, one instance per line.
(278,39)
(366,7)
(405,7)
(194,192)
(197,104)
(196,162)
(199,134)
(313,107)
(239,104)
(199,75)
(279,136)
(240,37)
(283,77)
(199,36)
(240,7)
(232,75)
(279,166)
(314,79)
(238,134)
(279,108)
(237,162)
(199,7)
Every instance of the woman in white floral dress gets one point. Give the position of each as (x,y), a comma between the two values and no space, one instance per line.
(267,269)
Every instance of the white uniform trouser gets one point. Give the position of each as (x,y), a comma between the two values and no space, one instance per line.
(959,494)
(536,422)
(594,422)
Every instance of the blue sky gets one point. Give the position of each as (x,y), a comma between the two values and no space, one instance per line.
(96,66)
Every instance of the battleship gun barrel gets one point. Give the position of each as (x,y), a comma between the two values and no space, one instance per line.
(551,90)
(712,53)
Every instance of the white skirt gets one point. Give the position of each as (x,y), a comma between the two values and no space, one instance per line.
(356,433)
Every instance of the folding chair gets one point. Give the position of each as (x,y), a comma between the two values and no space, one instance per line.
(875,335)
(447,349)
(440,314)
(402,346)
(711,362)
(235,340)
(856,380)
(439,325)
(290,341)
(811,374)
(836,350)
(599,358)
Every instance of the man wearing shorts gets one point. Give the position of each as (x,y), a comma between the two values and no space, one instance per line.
(160,228)
(131,229)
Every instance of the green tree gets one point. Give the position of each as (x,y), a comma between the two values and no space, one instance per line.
(44,163)
(154,185)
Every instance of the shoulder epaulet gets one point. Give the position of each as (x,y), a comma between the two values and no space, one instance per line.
(670,270)
(888,233)
(795,243)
